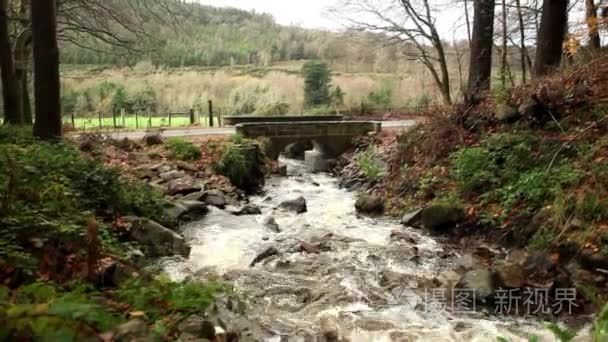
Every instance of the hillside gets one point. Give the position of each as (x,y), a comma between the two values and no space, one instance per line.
(198,35)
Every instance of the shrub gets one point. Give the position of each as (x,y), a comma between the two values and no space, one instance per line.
(183,150)
(370,164)
(243,164)
(382,98)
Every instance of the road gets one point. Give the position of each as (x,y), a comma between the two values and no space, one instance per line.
(202,132)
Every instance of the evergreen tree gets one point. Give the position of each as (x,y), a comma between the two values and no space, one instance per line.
(317,78)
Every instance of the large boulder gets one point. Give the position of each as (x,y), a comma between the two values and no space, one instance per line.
(370,204)
(272,224)
(247,209)
(183,186)
(440,217)
(171,175)
(157,240)
(509,274)
(479,282)
(412,219)
(215,198)
(267,253)
(297,205)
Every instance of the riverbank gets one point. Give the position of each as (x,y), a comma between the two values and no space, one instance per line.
(523,173)
(84,224)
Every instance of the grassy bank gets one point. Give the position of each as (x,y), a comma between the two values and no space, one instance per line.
(66,256)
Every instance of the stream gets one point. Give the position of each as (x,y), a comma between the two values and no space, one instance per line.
(358,281)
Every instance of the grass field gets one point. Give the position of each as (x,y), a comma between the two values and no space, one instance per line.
(130,122)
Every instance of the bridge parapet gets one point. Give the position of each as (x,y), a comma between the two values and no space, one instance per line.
(332,137)
(233,120)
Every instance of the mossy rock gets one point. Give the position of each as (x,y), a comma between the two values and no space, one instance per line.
(441,217)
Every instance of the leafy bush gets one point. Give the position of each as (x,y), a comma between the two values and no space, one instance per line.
(382,98)
(370,164)
(183,150)
(243,164)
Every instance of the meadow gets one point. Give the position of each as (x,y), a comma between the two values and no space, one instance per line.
(237,89)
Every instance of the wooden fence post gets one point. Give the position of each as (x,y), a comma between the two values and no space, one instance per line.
(136,119)
(192,116)
(210,113)
(169,119)
(73,120)
(149,118)
(114,117)
(122,116)
(100,124)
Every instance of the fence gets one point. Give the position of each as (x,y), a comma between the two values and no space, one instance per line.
(119,119)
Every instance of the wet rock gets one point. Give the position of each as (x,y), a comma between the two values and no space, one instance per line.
(506,113)
(163,168)
(540,270)
(448,280)
(156,239)
(192,210)
(215,198)
(329,329)
(171,175)
(370,204)
(309,248)
(282,170)
(297,205)
(272,224)
(440,218)
(183,186)
(198,326)
(412,219)
(248,209)
(509,274)
(465,263)
(267,253)
(391,279)
(403,236)
(113,274)
(481,282)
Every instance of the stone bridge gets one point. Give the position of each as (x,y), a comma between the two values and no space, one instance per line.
(330,139)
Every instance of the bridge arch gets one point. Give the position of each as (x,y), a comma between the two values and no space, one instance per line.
(330,138)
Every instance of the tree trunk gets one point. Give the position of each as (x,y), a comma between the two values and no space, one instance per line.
(47,124)
(595,42)
(480,66)
(10,91)
(504,52)
(522,46)
(551,35)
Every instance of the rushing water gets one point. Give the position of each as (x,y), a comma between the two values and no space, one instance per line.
(347,284)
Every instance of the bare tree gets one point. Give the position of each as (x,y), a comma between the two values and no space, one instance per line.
(47,125)
(12,104)
(551,35)
(480,66)
(410,23)
(504,48)
(523,52)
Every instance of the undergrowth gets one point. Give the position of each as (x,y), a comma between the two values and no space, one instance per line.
(183,150)
(59,216)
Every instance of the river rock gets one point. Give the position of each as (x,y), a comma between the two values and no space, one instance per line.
(448,280)
(439,218)
(272,224)
(182,165)
(215,198)
(153,138)
(481,282)
(282,170)
(192,210)
(509,274)
(412,219)
(183,186)
(171,175)
(198,326)
(133,330)
(465,263)
(247,209)
(267,253)
(506,113)
(157,240)
(369,204)
(297,205)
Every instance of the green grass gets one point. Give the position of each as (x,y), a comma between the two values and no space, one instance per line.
(143,122)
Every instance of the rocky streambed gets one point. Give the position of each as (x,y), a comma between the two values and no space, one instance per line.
(307,266)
